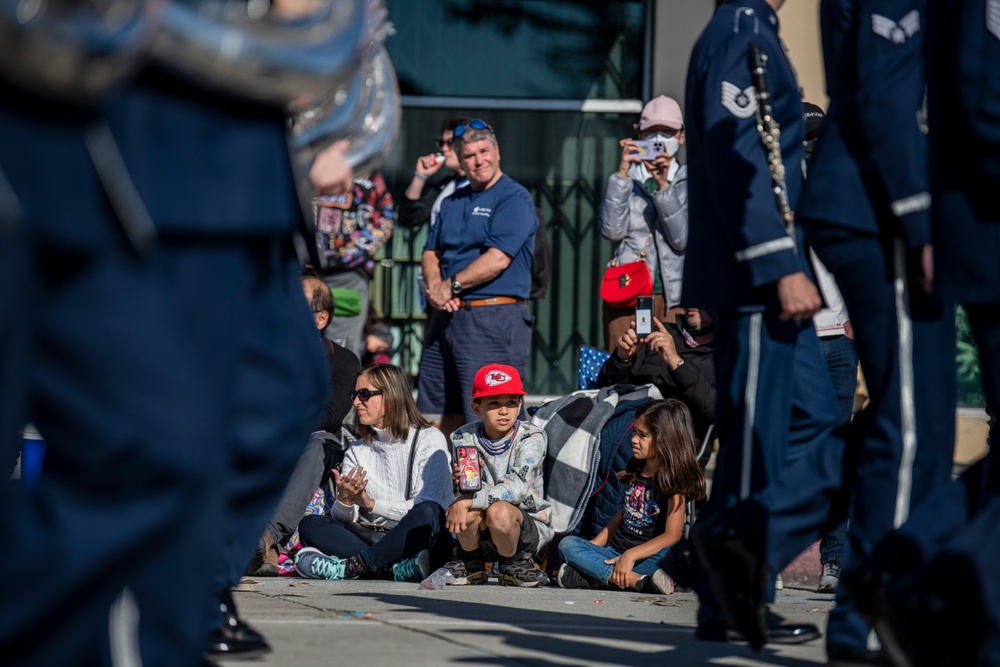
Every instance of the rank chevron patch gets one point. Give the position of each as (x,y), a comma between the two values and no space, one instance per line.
(740,103)
(897,33)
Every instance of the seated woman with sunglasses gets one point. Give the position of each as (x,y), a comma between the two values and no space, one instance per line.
(392,492)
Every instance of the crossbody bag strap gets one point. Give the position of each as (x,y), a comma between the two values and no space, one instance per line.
(409,468)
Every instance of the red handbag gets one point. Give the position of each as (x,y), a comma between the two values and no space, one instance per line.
(623,283)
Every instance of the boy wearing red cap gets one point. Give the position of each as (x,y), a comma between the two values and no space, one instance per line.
(507,520)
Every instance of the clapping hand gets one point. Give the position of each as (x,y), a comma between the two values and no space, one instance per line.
(351,487)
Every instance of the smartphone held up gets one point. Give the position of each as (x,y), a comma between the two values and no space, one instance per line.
(643,315)
(648,150)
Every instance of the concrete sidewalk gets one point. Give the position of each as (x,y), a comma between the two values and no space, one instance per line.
(374,623)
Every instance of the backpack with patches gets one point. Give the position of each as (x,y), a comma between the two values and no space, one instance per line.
(350,228)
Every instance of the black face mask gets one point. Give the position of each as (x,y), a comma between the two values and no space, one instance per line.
(704,330)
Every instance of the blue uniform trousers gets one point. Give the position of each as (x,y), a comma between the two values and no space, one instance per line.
(242,305)
(175,391)
(957,532)
(899,448)
(104,370)
(775,403)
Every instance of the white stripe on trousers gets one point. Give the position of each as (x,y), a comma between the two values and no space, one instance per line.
(906,400)
(123,631)
(750,403)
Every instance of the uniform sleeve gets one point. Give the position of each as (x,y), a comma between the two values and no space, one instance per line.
(512,224)
(756,233)
(890,76)
(977,88)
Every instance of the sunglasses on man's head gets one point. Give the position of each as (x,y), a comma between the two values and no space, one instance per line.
(365,394)
(474,124)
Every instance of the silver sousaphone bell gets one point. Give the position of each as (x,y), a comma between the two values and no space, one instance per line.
(251,50)
(74,49)
(365,111)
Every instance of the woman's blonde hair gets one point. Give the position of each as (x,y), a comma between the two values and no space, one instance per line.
(397,399)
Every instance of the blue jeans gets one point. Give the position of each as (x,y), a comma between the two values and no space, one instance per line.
(842,363)
(589,558)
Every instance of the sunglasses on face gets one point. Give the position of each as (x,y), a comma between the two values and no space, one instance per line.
(445,142)
(474,124)
(365,394)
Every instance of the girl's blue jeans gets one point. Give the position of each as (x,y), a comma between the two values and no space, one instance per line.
(589,558)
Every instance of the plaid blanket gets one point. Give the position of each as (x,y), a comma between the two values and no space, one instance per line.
(573,425)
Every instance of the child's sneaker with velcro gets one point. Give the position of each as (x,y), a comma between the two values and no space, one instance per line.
(467,572)
(521,571)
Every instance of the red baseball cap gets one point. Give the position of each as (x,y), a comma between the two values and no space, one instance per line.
(496,380)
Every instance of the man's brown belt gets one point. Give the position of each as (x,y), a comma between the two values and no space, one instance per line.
(492,301)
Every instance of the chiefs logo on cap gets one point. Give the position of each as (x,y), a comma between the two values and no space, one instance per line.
(494,378)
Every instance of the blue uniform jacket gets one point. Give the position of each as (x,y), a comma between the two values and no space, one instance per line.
(738,245)
(964,99)
(871,137)
(228,156)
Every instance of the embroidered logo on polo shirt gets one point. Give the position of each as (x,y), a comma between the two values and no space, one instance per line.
(740,103)
(993,17)
(897,33)
(495,378)
(483,211)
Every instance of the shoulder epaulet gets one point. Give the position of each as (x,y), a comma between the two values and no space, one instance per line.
(745,18)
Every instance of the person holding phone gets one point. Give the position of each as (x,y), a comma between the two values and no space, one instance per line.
(676,357)
(508,518)
(644,211)
(388,518)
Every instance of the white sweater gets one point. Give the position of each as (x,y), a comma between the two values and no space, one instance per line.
(385,461)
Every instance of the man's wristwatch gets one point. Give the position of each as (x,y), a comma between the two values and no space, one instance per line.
(456,287)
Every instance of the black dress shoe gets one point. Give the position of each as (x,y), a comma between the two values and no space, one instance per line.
(738,574)
(234,638)
(838,655)
(926,620)
(778,632)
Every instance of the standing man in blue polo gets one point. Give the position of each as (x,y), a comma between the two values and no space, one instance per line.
(477,263)
(775,398)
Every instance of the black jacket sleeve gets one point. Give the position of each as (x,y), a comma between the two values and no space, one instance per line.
(344,369)
(415,212)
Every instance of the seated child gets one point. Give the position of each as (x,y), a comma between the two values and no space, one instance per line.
(661,478)
(508,519)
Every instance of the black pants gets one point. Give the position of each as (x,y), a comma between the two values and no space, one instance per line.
(421,528)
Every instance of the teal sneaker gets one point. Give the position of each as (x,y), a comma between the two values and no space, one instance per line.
(312,563)
(414,569)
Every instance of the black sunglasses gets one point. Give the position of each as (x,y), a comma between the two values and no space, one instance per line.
(445,142)
(365,394)
(474,124)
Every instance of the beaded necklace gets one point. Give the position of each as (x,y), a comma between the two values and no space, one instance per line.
(495,449)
